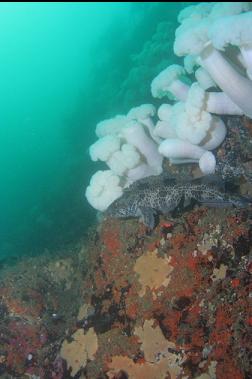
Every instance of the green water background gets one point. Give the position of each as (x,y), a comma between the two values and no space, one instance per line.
(63,68)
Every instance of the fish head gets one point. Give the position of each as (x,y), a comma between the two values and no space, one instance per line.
(118,209)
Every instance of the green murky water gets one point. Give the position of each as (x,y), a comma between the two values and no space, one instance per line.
(64,67)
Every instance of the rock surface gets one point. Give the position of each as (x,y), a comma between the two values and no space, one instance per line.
(129,303)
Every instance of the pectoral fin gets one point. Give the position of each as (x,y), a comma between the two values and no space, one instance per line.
(187,202)
(211,180)
(147,216)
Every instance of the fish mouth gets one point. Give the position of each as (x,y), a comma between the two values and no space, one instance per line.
(111,213)
(116,214)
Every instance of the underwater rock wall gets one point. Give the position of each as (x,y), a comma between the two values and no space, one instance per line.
(130,303)
(175,303)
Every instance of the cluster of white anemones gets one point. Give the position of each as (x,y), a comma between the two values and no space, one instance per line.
(216,40)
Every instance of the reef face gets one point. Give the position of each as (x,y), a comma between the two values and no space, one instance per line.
(175,303)
(127,302)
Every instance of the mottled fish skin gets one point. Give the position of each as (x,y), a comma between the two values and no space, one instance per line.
(162,197)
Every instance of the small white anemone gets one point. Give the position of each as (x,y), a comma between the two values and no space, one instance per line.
(192,124)
(195,12)
(104,148)
(111,126)
(190,61)
(143,114)
(124,159)
(135,135)
(192,38)
(163,128)
(215,134)
(207,163)
(204,79)
(223,9)
(103,190)
(169,82)
(165,112)
(140,172)
(195,124)
(182,152)
(174,148)
(236,31)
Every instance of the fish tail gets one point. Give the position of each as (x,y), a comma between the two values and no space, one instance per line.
(242,201)
(235,201)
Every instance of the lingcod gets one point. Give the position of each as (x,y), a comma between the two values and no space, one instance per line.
(149,197)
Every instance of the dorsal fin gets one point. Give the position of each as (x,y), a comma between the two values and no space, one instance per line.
(151,181)
(209,180)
